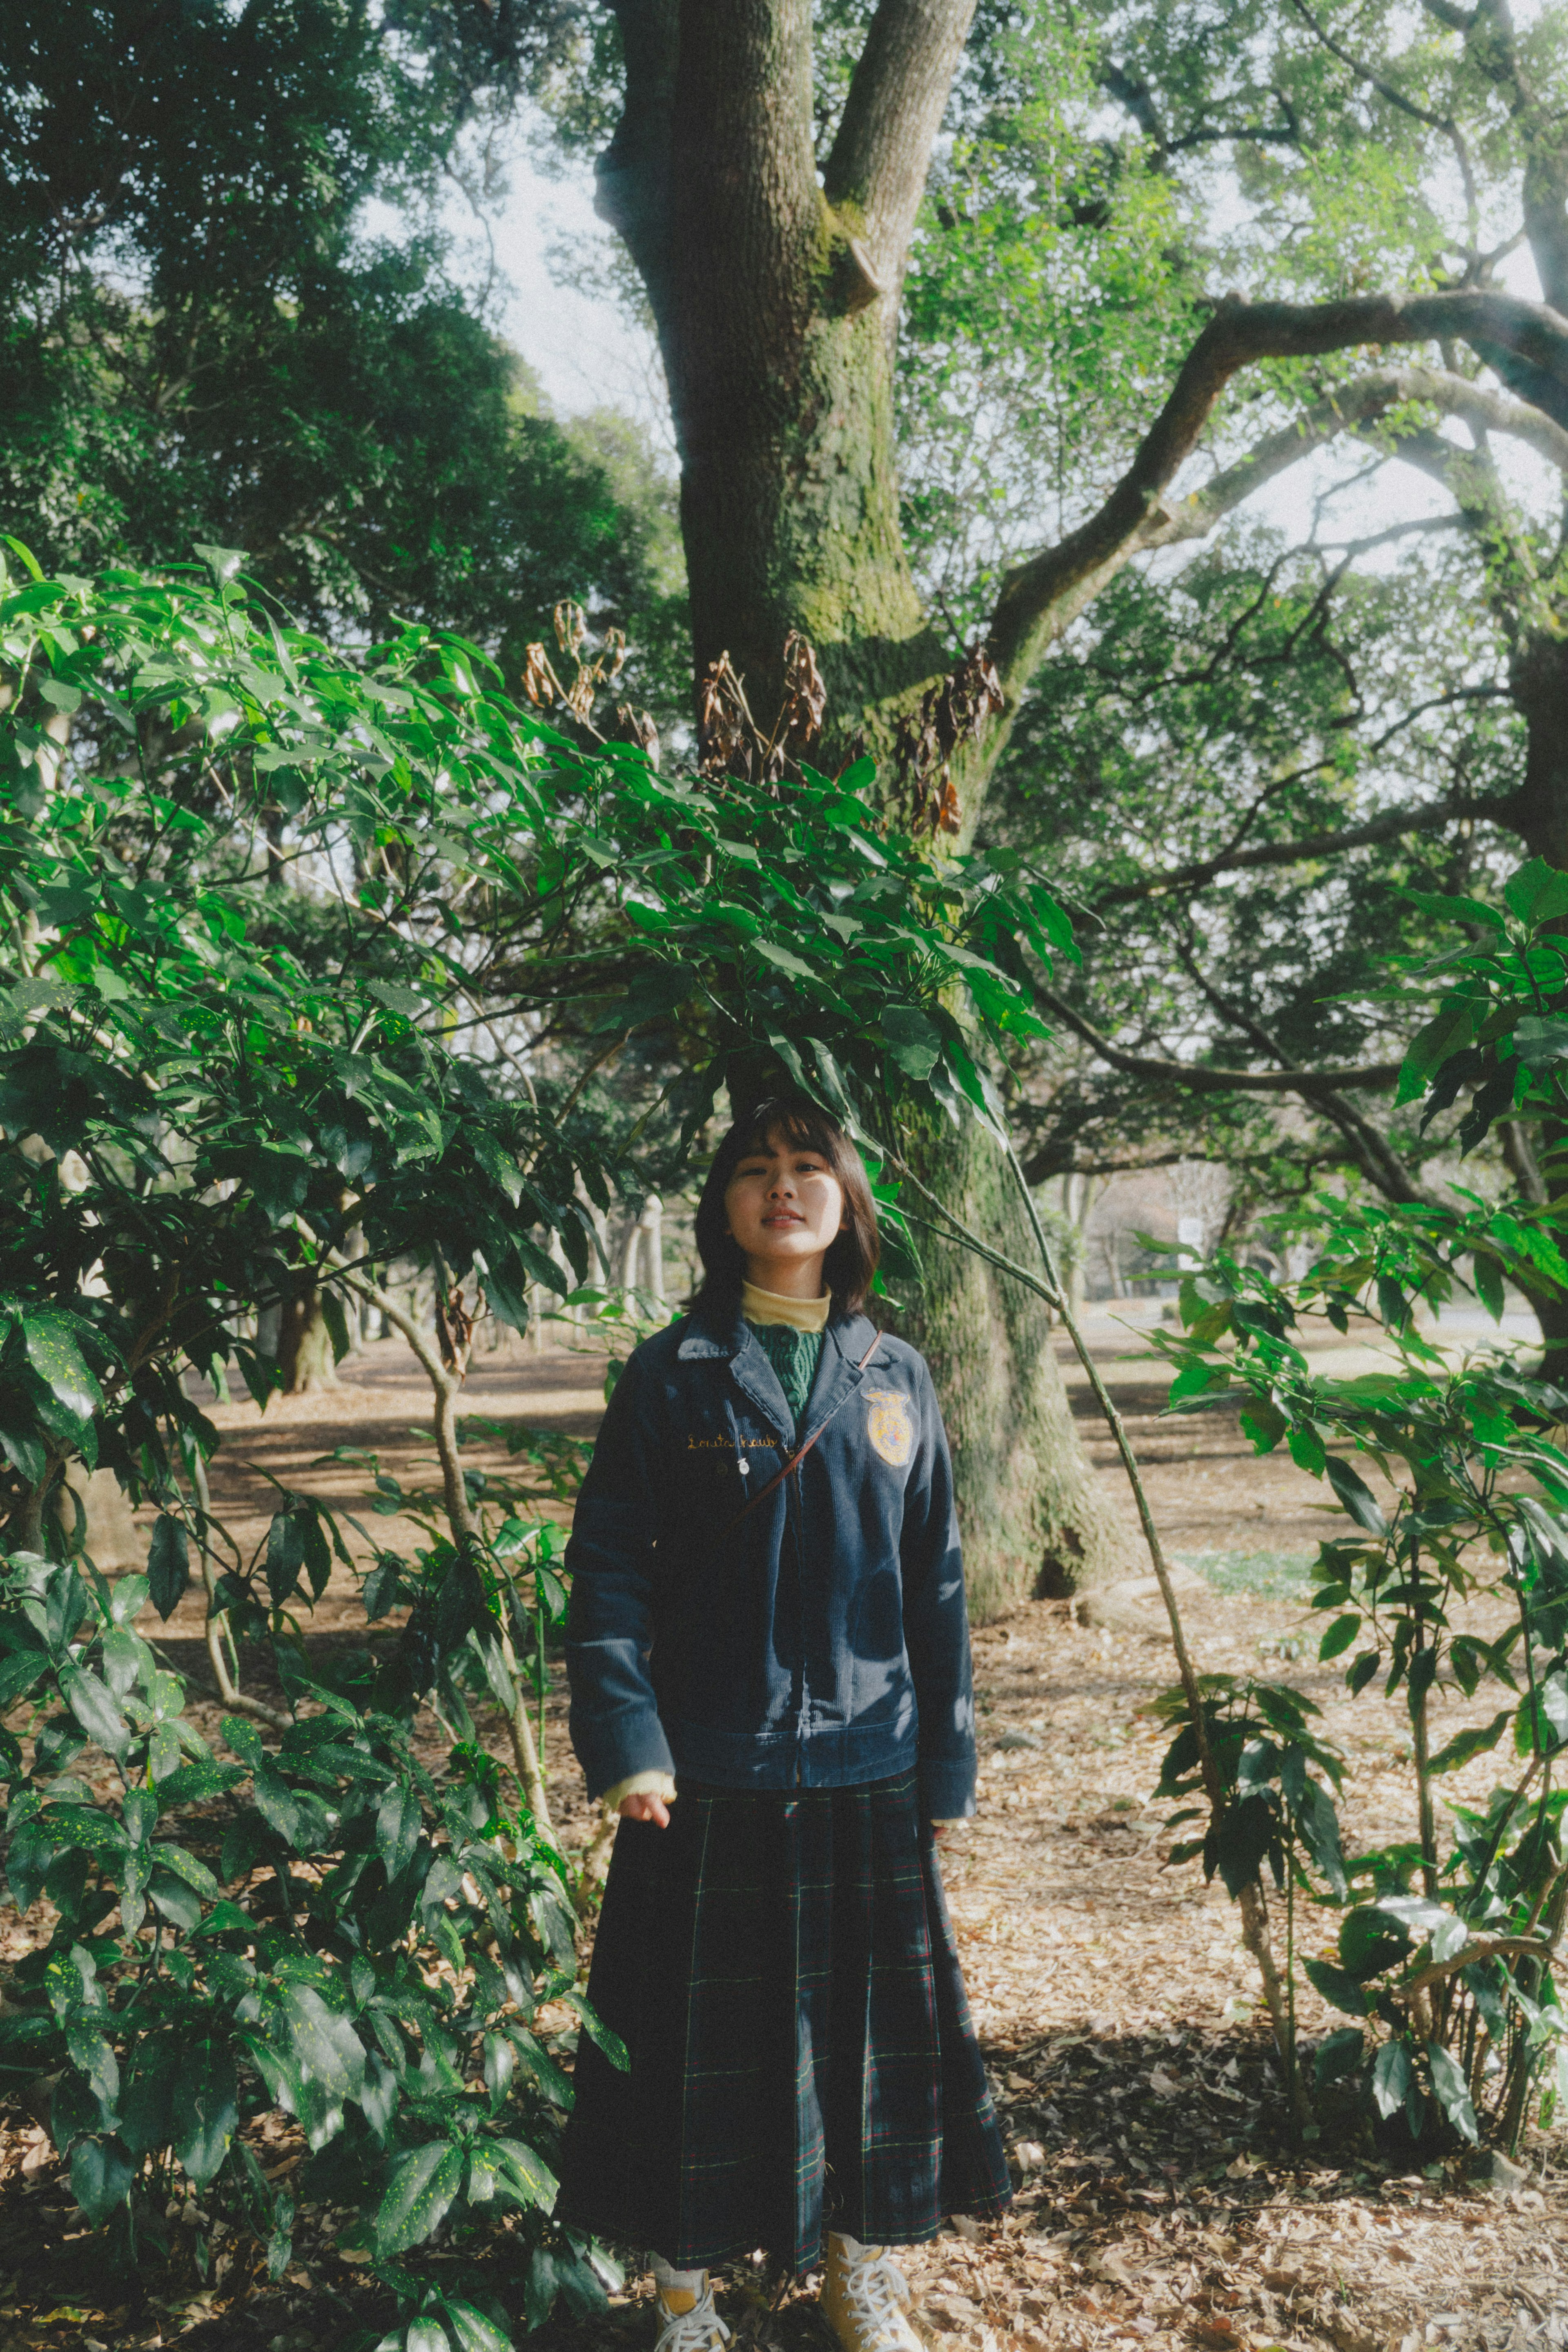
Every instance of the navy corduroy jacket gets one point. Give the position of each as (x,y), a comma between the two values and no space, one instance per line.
(824,1640)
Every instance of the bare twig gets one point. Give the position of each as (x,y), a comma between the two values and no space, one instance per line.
(447,1385)
(228,1689)
(1252,1903)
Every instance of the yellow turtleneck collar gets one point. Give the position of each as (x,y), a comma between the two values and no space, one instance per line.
(800,1314)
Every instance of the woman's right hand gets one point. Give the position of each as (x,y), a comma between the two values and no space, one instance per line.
(644,1808)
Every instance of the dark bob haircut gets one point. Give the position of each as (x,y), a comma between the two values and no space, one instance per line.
(851,1260)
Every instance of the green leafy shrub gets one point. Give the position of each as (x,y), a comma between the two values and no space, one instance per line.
(1444,1957)
(315,1923)
(262,907)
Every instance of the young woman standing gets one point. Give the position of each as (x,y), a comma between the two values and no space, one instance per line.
(769,1653)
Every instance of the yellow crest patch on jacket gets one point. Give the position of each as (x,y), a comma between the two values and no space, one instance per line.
(890,1425)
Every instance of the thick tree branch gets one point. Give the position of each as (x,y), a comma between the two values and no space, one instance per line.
(1056,1160)
(1041,597)
(1199,1080)
(876,172)
(1391,824)
(1133,92)
(1486,412)
(1356,405)
(632,190)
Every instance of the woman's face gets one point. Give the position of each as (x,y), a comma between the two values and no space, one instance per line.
(785,1208)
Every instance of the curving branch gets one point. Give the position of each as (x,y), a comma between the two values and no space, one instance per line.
(1376,1157)
(1040,596)
(876,171)
(1199,1078)
(1486,412)
(446,1382)
(1391,824)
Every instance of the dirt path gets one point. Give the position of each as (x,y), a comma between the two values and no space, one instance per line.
(1159,2202)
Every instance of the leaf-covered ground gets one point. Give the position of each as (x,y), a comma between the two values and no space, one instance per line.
(1160,2202)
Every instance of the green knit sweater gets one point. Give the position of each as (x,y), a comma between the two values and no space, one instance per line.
(794,1356)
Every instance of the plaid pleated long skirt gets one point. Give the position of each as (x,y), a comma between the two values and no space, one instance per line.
(781,1968)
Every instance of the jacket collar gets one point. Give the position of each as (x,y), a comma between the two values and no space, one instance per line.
(718,1333)
(839,1370)
(721,1333)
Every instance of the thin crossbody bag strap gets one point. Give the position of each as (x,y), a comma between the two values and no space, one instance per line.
(801,1451)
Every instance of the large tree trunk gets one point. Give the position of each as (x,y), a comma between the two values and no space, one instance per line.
(305,1354)
(776,299)
(1034,1517)
(1538,685)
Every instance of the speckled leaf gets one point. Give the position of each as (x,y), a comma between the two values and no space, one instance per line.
(500,2060)
(533,2178)
(54,1355)
(417,2197)
(471,2330)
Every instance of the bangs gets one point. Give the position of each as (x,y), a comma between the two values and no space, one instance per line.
(799,1124)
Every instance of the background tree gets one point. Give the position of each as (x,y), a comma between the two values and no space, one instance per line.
(1254,758)
(205,341)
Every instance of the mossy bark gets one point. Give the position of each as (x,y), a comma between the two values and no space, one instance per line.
(776,321)
(1034,1516)
(1539,688)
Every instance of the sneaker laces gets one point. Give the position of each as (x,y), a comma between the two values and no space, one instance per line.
(875,2289)
(693,2331)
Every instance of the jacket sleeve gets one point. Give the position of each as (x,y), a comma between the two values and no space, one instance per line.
(615,1726)
(936,1623)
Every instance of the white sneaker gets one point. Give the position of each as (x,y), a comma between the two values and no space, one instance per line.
(700,2329)
(863,2298)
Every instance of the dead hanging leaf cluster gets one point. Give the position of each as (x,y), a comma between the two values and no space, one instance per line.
(592,672)
(729,741)
(952,711)
(455,1327)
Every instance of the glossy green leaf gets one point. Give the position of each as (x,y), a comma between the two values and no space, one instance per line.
(1392,2078)
(1464,1746)
(1340,1635)
(285,1555)
(95,1710)
(1356,1495)
(54,1351)
(471,2330)
(531,2177)
(100,2176)
(168,1565)
(418,2195)
(1452,2092)
(203,2108)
